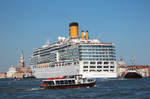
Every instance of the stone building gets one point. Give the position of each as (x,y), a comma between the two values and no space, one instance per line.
(143,70)
(3,74)
(11,72)
(20,71)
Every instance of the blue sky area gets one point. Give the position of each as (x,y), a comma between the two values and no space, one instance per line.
(27,24)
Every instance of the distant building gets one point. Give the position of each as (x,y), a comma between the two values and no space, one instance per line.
(20,71)
(121,62)
(11,72)
(21,66)
(143,70)
(3,74)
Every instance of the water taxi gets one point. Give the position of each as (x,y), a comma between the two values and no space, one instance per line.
(67,82)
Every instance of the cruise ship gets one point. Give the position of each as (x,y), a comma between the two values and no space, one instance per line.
(75,55)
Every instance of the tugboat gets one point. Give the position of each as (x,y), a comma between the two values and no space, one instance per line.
(75,81)
(132,74)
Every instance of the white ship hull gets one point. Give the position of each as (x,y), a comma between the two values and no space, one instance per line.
(48,72)
(100,75)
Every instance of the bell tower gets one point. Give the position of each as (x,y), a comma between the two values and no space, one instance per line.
(21,62)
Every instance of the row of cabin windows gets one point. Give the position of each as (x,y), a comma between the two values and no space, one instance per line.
(64,64)
(98,66)
(97,56)
(98,70)
(97,59)
(98,62)
(96,49)
(110,52)
(98,46)
(60,64)
(65,82)
(61,82)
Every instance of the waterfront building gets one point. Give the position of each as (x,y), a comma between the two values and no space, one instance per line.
(3,74)
(21,71)
(11,72)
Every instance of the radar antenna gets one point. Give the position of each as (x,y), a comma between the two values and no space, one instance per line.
(133,60)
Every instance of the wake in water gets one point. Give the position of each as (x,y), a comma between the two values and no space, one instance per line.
(11,90)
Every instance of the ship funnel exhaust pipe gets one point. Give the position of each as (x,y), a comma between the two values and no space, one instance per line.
(82,34)
(73,29)
(87,37)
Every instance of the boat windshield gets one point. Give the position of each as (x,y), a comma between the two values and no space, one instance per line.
(49,82)
(90,80)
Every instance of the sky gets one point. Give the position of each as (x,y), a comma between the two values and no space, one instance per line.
(28,24)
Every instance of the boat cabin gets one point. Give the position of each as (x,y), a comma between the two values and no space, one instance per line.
(64,82)
(60,82)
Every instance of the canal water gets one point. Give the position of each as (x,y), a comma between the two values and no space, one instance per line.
(104,89)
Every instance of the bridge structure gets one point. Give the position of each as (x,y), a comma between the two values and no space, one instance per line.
(141,70)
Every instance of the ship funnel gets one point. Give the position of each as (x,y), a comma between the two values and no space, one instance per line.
(87,37)
(82,34)
(73,29)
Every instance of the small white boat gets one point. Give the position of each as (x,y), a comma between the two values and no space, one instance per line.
(75,81)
